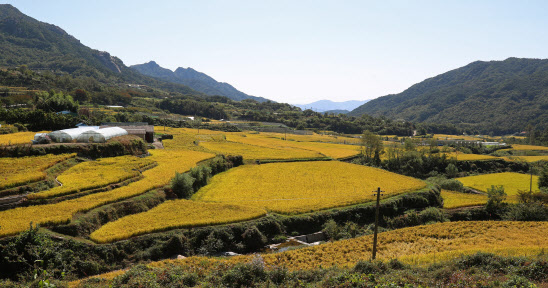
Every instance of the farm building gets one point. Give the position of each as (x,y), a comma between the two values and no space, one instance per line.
(141,129)
(101,135)
(69,135)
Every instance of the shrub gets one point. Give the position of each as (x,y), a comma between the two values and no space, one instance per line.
(201,175)
(534,211)
(245,275)
(369,267)
(253,239)
(447,184)
(182,185)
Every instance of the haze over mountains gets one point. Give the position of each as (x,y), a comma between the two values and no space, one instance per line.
(328,105)
(498,96)
(196,80)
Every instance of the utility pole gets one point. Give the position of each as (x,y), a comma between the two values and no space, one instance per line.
(376,223)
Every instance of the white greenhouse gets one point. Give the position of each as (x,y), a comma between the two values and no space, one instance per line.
(68,135)
(101,135)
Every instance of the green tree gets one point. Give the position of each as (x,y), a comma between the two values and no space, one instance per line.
(372,147)
(495,197)
(181,185)
(451,170)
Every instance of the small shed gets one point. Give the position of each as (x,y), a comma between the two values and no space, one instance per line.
(68,135)
(101,135)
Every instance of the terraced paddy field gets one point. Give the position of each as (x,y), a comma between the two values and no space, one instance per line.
(175,214)
(453,199)
(16,220)
(300,187)
(254,152)
(20,171)
(512,182)
(527,147)
(529,159)
(18,138)
(325,149)
(418,245)
(102,172)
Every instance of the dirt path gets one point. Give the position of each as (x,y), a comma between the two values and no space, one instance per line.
(158,144)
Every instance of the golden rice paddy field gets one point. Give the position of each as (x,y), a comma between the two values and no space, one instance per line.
(18,138)
(453,199)
(20,171)
(174,214)
(512,182)
(526,147)
(300,187)
(95,174)
(327,149)
(456,137)
(316,138)
(415,245)
(470,157)
(16,220)
(527,158)
(254,152)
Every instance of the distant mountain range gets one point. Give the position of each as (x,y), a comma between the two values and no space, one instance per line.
(327,105)
(498,96)
(195,80)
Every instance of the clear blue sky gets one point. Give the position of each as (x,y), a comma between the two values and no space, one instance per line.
(303,51)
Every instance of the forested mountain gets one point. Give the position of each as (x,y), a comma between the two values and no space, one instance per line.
(327,105)
(194,79)
(42,46)
(496,96)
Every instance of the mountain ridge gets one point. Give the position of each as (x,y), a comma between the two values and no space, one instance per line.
(40,45)
(498,96)
(194,79)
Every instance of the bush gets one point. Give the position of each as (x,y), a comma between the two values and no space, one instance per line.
(182,185)
(369,267)
(201,175)
(253,239)
(534,211)
(447,184)
(245,275)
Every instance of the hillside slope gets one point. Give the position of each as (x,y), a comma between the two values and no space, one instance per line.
(496,96)
(42,46)
(196,80)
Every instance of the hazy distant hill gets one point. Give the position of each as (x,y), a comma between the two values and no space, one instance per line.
(27,41)
(326,105)
(194,79)
(498,96)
